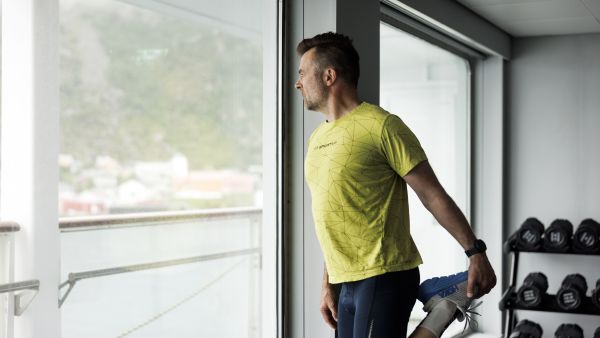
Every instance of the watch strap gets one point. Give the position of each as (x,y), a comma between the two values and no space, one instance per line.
(478,247)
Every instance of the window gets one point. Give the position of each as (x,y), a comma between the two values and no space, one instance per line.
(161,107)
(161,168)
(429,88)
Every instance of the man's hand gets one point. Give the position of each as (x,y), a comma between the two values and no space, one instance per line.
(481,276)
(329,305)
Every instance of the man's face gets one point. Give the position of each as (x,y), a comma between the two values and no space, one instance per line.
(310,83)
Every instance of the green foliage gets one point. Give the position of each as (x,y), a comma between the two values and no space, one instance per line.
(142,87)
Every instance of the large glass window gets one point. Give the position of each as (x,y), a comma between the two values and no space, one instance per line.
(161,163)
(161,106)
(428,87)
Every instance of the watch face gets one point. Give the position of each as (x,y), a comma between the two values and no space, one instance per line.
(480,245)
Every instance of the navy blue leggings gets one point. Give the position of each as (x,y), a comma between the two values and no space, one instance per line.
(377,307)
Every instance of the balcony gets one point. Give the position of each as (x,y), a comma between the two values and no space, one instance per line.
(162,274)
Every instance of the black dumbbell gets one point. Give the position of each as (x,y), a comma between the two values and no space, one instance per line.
(558,236)
(529,235)
(596,295)
(572,292)
(569,331)
(527,329)
(587,237)
(534,287)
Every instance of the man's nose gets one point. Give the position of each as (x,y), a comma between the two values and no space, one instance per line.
(298,85)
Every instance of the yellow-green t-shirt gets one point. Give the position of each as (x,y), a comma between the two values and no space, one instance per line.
(354,168)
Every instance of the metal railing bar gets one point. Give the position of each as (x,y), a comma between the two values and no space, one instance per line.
(7,226)
(74,277)
(152,218)
(18,286)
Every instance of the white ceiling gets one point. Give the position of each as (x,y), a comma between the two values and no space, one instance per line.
(522,18)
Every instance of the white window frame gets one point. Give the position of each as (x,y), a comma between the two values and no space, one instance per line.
(29,150)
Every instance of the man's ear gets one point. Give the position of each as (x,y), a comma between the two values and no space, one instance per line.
(329,76)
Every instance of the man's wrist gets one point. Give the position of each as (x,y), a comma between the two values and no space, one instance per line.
(478,247)
(478,257)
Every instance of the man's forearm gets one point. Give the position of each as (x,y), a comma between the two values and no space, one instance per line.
(328,288)
(447,213)
(325,276)
(433,196)
(423,181)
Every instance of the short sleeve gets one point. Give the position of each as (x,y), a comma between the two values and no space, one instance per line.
(400,146)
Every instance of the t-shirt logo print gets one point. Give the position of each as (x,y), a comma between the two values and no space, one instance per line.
(324,145)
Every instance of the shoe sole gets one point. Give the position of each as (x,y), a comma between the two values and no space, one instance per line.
(451,281)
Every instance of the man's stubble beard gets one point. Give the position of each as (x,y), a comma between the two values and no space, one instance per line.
(321,100)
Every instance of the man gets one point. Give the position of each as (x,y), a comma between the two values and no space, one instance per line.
(357,166)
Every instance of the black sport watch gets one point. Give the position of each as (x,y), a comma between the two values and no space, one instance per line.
(478,247)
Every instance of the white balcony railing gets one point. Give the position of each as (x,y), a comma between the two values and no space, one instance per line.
(153,275)
(175,274)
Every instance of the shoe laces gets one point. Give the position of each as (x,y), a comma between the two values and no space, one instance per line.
(468,315)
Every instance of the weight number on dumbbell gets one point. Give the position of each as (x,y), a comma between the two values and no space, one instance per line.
(572,292)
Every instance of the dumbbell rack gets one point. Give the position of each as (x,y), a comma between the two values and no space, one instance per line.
(509,303)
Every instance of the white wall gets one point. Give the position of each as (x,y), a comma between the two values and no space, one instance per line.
(553,158)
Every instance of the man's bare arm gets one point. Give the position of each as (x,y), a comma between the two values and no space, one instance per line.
(328,305)
(423,181)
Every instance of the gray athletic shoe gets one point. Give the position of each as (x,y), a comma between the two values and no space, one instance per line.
(445,299)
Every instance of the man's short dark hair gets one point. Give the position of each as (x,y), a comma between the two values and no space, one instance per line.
(336,51)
